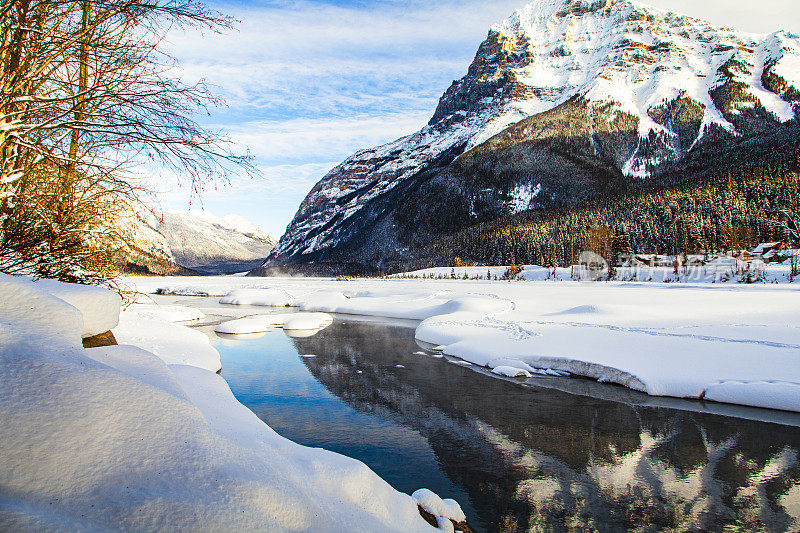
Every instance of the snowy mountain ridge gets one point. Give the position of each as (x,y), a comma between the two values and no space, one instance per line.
(639,57)
(636,88)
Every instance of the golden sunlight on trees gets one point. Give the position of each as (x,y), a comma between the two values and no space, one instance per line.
(87,96)
(599,241)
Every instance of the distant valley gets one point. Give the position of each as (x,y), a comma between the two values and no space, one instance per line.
(192,242)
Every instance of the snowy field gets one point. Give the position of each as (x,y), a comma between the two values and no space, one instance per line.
(725,342)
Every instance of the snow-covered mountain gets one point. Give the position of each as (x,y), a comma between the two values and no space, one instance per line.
(566,100)
(197,241)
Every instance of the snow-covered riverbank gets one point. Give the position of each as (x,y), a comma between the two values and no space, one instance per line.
(119,438)
(730,343)
(147,436)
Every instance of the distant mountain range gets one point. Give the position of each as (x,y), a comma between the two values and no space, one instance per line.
(566,101)
(193,242)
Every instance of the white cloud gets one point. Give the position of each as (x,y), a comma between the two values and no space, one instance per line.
(314,139)
(308,57)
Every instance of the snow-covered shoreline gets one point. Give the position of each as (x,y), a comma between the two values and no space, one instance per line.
(120,438)
(132,436)
(724,342)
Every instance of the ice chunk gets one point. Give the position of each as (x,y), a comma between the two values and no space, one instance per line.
(511,372)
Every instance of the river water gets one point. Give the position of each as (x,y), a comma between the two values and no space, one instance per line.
(544,454)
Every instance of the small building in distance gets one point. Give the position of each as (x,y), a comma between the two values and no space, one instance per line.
(789,256)
(768,251)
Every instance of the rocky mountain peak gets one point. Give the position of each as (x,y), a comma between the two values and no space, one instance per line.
(637,57)
(564,101)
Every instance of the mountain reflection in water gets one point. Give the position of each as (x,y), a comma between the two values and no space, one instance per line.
(517,457)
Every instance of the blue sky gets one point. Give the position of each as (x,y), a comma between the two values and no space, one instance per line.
(307,83)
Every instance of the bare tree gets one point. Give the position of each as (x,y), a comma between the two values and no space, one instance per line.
(791,225)
(88,95)
(791,228)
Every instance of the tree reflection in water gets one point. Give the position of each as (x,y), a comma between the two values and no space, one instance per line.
(534,458)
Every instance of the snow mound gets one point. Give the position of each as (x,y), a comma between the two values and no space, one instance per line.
(404,306)
(288,321)
(511,372)
(173,343)
(580,310)
(438,507)
(29,315)
(307,321)
(260,297)
(99,307)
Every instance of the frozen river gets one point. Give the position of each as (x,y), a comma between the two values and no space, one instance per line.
(552,453)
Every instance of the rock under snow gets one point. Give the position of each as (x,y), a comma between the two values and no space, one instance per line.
(511,372)
(438,507)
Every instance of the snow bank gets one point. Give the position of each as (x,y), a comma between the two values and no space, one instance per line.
(772,394)
(114,438)
(288,321)
(726,342)
(173,343)
(99,307)
(651,361)
(407,305)
(262,297)
(657,360)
